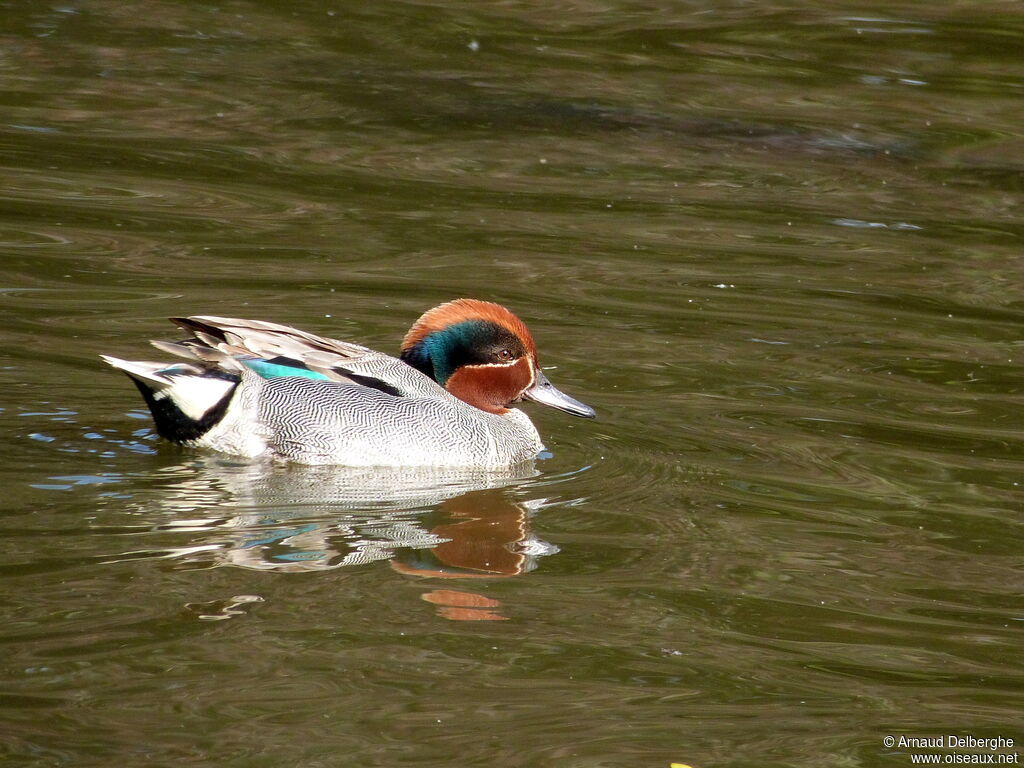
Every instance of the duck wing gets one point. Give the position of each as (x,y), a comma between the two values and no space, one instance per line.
(274,351)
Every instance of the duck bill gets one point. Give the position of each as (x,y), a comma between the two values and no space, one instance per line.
(544,392)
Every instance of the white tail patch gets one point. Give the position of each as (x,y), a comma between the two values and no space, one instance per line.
(192,392)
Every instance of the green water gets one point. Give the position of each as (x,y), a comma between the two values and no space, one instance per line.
(777,247)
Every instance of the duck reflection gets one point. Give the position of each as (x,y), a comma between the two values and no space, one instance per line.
(450,524)
(484,536)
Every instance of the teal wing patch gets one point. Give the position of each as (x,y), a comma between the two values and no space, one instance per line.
(273,369)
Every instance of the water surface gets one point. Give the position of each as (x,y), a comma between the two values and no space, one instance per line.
(776,246)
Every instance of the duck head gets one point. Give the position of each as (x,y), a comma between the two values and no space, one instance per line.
(484,355)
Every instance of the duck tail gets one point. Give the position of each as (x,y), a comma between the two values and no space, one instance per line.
(186,400)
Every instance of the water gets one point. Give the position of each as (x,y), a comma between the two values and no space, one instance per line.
(778,249)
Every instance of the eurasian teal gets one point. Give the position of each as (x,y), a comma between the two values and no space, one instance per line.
(253,388)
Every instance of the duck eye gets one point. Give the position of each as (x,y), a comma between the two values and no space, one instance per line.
(506,354)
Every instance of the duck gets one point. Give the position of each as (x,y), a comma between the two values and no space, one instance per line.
(253,388)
